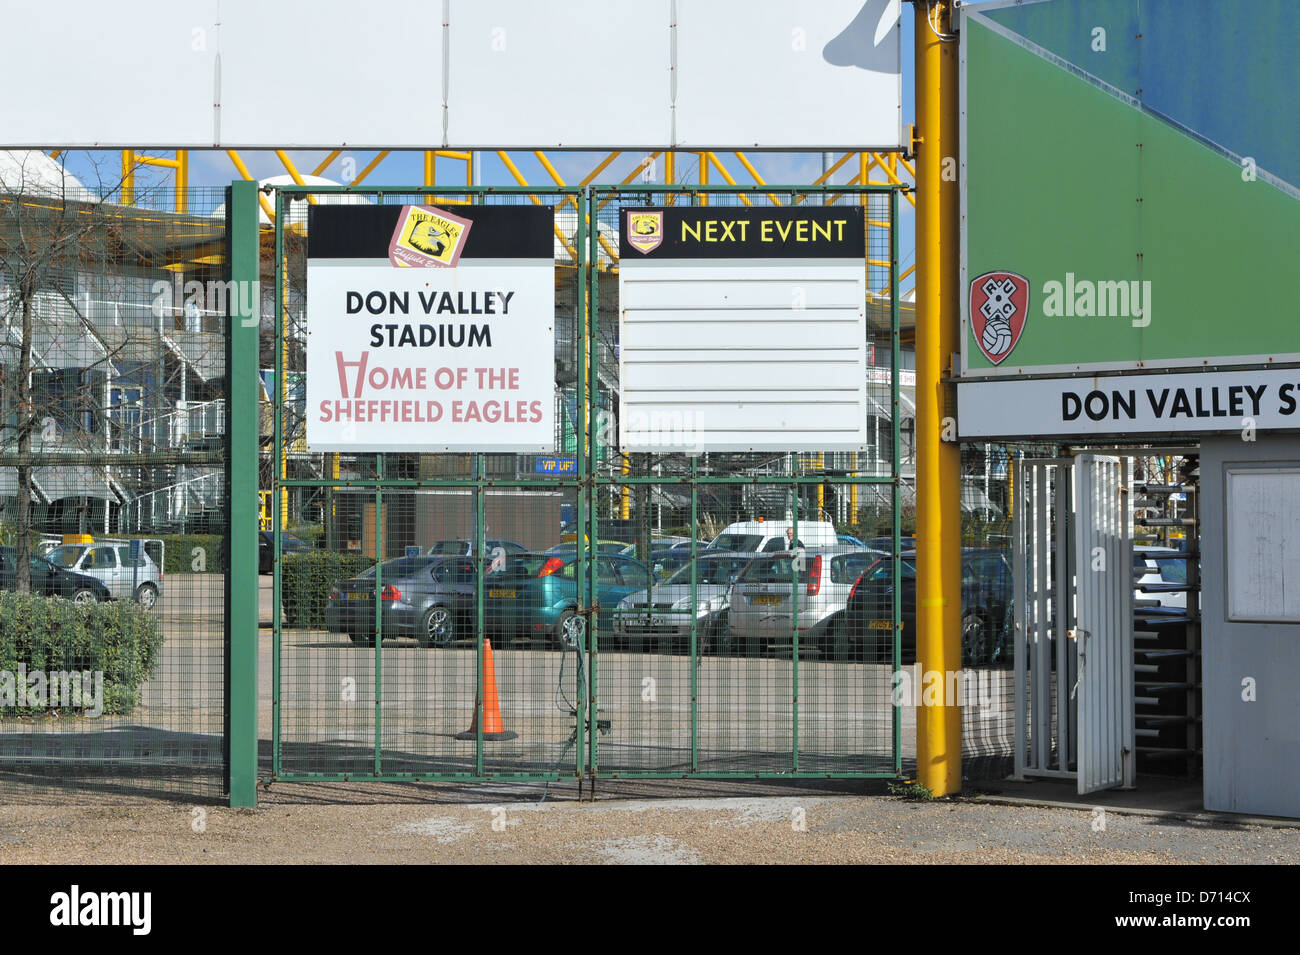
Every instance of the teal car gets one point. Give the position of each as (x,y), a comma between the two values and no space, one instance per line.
(536,595)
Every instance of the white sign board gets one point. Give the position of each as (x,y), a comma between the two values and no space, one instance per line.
(1206,402)
(577,74)
(1263,546)
(742,329)
(430,329)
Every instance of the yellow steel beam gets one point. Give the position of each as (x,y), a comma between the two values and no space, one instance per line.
(128,177)
(519,178)
(238,162)
(182,180)
(749,167)
(629,177)
(717,163)
(371,167)
(559,181)
(325,163)
(938,461)
(293,172)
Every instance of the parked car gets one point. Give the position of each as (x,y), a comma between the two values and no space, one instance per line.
(110,562)
(1159,573)
(537,594)
(51,581)
(769,536)
(663,613)
(768,594)
(602,547)
(464,547)
(266,549)
(428,598)
(986,592)
(886,544)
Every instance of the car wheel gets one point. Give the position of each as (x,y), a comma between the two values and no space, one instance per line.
(437,628)
(146,595)
(974,640)
(84,595)
(566,623)
(362,639)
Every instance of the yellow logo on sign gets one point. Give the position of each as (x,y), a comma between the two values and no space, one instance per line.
(427,237)
(645,230)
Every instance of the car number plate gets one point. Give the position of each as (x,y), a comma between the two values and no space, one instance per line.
(499,592)
(359,595)
(767,600)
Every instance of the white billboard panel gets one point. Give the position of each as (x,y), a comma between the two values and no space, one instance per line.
(92,74)
(581,74)
(775,73)
(559,74)
(742,330)
(430,330)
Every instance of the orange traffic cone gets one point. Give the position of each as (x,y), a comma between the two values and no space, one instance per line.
(493,728)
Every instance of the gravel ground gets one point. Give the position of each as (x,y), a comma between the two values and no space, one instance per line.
(801,828)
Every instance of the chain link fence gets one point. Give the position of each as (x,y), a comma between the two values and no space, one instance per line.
(112,488)
(445,615)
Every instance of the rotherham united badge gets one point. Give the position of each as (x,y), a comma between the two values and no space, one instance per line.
(999,305)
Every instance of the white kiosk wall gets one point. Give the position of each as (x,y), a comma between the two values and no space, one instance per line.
(1250,655)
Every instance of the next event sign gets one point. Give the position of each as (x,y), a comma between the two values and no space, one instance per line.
(430,328)
(743,329)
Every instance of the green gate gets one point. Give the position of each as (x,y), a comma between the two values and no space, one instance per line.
(441,616)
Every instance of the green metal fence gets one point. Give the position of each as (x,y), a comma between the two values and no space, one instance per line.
(113,387)
(533,660)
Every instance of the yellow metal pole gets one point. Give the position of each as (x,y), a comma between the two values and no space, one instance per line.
(182,180)
(128,177)
(938,461)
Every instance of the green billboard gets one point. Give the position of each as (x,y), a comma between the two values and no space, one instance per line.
(1129,185)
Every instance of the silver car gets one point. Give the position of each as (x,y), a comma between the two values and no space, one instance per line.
(111,562)
(663,614)
(765,596)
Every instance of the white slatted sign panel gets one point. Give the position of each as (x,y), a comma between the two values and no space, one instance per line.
(742,330)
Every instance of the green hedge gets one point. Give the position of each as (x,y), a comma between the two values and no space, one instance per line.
(178,556)
(306,580)
(50,634)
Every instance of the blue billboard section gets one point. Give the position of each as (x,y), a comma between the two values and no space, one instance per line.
(1225,70)
(1069,29)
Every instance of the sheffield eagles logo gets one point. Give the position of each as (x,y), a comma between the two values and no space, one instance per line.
(645,230)
(999,305)
(427,237)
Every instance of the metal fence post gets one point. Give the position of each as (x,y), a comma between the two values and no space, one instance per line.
(242,427)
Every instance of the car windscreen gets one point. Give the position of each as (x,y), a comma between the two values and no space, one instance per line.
(884,570)
(714,570)
(402,567)
(846,568)
(774,570)
(448,547)
(738,542)
(66,557)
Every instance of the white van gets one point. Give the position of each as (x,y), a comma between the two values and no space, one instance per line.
(769,536)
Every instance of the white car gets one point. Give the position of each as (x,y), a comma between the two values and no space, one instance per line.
(139,579)
(768,537)
(1154,570)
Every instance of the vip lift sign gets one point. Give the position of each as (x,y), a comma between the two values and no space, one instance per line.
(430,328)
